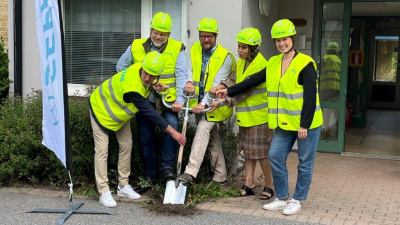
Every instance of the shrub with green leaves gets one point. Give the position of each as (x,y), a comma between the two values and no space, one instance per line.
(4,80)
(23,159)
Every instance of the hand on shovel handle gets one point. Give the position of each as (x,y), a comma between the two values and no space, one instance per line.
(180,138)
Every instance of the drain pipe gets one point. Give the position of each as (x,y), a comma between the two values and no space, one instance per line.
(18,47)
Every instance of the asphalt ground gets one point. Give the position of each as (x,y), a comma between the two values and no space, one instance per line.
(13,209)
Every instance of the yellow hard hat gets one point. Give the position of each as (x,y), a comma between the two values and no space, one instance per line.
(153,63)
(208,25)
(161,22)
(283,28)
(333,46)
(249,36)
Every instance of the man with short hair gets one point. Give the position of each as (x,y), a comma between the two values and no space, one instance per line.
(210,64)
(174,75)
(111,106)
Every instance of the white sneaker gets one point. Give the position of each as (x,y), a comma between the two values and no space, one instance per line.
(292,207)
(275,205)
(127,191)
(107,200)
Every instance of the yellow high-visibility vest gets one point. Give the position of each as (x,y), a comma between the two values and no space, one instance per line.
(330,73)
(170,53)
(214,64)
(285,95)
(253,110)
(107,100)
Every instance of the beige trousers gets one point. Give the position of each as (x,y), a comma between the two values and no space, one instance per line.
(101,139)
(207,135)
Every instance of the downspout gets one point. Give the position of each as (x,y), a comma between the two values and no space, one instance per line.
(18,47)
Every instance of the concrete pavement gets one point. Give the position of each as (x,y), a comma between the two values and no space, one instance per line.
(344,190)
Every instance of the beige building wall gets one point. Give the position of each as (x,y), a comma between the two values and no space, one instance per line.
(251,17)
(4,21)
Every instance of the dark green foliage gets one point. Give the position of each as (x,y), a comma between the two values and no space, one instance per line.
(4,80)
(23,159)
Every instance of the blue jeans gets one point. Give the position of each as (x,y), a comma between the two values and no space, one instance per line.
(281,145)
(146,131)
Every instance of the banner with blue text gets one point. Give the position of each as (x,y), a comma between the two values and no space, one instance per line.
(50,47)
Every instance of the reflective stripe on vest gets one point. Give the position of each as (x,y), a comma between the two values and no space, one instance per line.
(170,53)
(285,95)
(107,101)
(253,110)
(214,64)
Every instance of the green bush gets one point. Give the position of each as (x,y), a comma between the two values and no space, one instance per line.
(24,159)
(4,80)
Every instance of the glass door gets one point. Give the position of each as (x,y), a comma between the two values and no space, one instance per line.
(332,70)
(384,83)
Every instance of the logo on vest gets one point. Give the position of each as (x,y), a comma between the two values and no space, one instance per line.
(123,75)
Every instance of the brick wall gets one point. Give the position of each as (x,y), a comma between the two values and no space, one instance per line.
(3,20)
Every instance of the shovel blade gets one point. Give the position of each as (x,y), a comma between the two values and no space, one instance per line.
(174,195)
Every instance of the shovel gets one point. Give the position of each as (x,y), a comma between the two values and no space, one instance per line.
(175,190)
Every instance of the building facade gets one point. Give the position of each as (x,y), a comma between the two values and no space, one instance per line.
(366,33)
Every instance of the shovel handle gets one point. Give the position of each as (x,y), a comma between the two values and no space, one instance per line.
(180,153)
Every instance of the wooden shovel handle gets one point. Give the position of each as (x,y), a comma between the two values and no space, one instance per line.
(180,154)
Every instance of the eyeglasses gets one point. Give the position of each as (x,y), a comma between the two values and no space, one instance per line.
(204,37)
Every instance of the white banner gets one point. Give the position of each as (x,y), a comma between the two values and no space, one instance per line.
(50,47)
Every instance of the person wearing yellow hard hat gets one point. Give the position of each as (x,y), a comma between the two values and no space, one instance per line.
(331,66)
(294,112)
(112,105)
(209,64)
(174,75)
(251,112)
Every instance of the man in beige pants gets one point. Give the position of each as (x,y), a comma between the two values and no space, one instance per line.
(210,63)
(112,105)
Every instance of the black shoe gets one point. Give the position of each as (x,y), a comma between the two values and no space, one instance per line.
(186,178)
(142,190)
(168,174)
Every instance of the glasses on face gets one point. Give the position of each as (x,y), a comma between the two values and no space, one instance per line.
(204,37)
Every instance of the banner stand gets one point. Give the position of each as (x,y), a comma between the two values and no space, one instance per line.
(54,85)
(72,208)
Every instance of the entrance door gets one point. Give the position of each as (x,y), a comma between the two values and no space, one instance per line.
(332,70)
(384,81)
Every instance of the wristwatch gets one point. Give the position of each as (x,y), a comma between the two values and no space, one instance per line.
(203,104)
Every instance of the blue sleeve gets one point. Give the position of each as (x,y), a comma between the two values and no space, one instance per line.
(189,71)
(146,109)
(125,61)
(181,76)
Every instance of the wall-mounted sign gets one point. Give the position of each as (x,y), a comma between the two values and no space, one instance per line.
(356,58)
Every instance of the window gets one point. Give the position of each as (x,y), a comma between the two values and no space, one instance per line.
(174,9)
(386,58)
(97,33)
